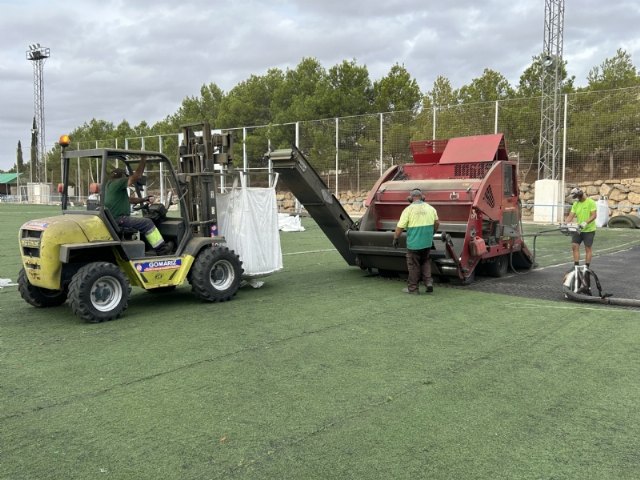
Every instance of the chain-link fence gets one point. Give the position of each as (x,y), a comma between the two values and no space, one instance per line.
(598,140)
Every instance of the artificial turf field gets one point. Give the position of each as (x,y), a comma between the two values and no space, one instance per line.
(321,373)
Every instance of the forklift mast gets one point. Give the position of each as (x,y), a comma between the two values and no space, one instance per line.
(200,152)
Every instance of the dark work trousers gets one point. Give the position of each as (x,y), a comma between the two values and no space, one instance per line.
(419,267)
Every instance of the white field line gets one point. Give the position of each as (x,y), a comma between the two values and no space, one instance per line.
(310,251)
(569,307)
(600,252)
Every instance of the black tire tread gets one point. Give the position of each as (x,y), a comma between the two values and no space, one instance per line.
(201,271)
(79,284)
(39,297)
(499,267)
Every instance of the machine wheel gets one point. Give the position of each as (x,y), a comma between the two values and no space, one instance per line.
(470,279)
(99,292)
(39,297)
(499,267)
(216,274)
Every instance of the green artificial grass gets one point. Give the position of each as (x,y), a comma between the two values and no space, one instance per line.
(321,373)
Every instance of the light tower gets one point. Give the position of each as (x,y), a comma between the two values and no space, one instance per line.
(551,81)
(38,55)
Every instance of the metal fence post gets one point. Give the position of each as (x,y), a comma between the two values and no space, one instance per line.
(337,153)
(564,150)
(161,172)
(433,136)
(495,125)
(244,148)
(381,141)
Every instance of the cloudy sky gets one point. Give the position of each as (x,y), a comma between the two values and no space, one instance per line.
(138,59)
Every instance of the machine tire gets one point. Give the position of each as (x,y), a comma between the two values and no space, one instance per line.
(216,274)
(99,292)
(470,279)
(39,297)
(499,267)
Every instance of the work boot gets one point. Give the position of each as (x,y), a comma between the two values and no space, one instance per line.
(165,248)
(429,287)
(411,292)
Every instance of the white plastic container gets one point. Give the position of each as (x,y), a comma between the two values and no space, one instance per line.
(602,212)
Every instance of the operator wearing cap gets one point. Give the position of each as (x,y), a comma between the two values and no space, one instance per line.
(117,200)
(421,221)
(584,210)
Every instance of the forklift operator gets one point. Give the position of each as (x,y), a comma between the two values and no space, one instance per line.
(117,200)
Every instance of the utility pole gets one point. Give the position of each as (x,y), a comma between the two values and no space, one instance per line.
(38,54)
(551,81)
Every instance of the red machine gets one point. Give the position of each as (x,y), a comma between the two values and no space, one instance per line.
(469,180)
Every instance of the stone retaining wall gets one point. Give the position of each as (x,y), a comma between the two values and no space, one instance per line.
(352,202)
(623,196)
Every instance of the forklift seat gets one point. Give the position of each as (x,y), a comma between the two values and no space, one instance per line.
(124,233)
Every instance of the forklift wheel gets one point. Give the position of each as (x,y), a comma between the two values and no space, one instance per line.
(99,292)
(39,297)
(216,274)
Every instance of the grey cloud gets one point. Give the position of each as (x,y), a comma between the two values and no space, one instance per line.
(137,60)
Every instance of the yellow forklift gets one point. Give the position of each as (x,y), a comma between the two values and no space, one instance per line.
(84,257)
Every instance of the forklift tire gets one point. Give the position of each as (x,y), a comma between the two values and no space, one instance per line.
(498,267)
(216,274)
(39,297)
(99,292)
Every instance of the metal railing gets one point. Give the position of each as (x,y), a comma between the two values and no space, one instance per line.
(600,137)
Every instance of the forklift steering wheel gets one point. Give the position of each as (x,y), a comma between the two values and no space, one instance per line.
(142,206)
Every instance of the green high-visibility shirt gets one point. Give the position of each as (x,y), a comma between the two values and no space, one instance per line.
(418,220)
(582,212)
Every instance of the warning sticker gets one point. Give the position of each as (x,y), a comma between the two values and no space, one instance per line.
(154,266)
(35,225)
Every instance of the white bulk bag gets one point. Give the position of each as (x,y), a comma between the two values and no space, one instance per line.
(248,219)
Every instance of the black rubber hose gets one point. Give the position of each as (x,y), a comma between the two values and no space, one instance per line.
(578,297)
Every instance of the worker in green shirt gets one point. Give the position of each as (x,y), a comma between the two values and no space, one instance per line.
(118,201)
(420,220)
(584,210)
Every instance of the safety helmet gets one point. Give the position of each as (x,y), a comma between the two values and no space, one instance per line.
(576,192)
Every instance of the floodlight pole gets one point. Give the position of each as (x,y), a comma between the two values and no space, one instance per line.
(38,54)
(551,60)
